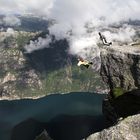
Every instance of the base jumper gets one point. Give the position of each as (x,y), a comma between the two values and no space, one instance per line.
(104,41)
(83,62)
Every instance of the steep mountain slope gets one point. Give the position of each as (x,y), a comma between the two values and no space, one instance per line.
(44,71)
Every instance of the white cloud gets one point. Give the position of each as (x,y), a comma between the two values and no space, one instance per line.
(11,20)
(40,7)
(10,31)
(40,43)
(73,11)
(123,34)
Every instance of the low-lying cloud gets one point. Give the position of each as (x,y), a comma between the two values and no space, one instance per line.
(40,43)
(76,13)
(10,20)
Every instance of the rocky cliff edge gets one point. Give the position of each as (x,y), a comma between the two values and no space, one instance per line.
(120,69)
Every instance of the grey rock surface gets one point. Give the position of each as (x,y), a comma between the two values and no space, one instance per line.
(16,76)
(120,67)
(127,129)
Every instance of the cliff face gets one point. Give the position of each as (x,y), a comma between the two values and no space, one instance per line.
(121,67)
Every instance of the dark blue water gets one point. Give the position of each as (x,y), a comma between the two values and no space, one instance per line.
(69,116)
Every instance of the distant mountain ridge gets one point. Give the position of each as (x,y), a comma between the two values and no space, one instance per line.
(27,23)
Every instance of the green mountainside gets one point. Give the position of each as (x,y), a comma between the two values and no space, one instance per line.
(45,71)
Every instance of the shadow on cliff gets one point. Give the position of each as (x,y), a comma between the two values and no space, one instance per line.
(62,127)
(27,130)
(66,127)
(127,104)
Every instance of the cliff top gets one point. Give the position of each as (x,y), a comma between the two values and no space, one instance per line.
(127,48)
